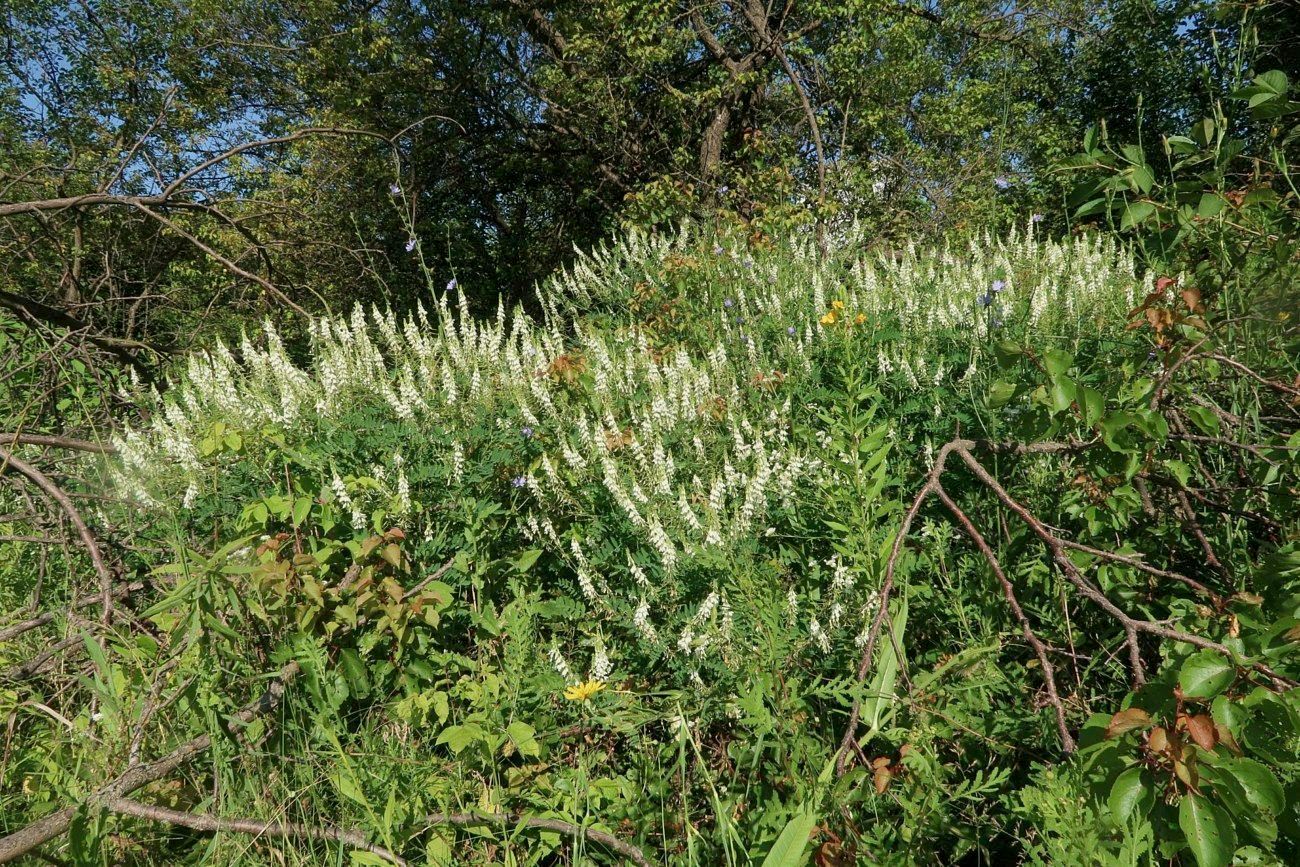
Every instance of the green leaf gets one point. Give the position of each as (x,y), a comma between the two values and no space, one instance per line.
(1092,404)
(1131,794)
(1135,213)
(1087,209)
(1000,393)
(1208,829)
(1179,470)
(1260,785)
(1057,361)
(1143,178)
(457,738)
(1203,131)
(525,561)
(355,672)
(1203,418)
(881,697)
(1274,80)
(301,507)
(789,848)
(521,734)
(1206,674)
(1210,205)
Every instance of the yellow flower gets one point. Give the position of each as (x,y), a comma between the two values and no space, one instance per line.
(860,318)
(583,691)
(837,305)
(828,319)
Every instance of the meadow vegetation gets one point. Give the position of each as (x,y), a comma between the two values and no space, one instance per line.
(751,535)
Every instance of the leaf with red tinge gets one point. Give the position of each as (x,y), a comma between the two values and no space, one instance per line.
(1201,730)
(1127,721)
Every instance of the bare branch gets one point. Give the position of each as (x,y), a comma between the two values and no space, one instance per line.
(23,841)
(253,827)
(53,493)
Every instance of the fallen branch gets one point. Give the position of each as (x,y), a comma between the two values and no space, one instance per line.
(25,840)
(13,439)
(121,591)
(253,827)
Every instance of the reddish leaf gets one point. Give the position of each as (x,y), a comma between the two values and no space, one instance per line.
(1127,721)
(1202,732)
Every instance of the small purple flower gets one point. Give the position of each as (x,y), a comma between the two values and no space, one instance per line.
(717,249)
(1001,182)
(526,432)
(728,303)
(451,284)
(740,320)
(999,285)
(792,331)
(518,482)
(1036,218)
(997,322)
(394,189)
(986,300)
(749,261)
(410,245)
(723,190)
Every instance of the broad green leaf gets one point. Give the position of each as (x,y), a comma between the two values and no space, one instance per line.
(458,737)
(1206,674)
(1057,361)
(1000,393)
(1091,404)
(1131,794)
(1275,80)
(1259,783)
(1210,205)
(1209,831)
(1143,178)
(1135,213)
(790,846)
(525,561)
(522,736)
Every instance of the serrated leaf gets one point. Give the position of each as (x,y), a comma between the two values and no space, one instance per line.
(1260,785)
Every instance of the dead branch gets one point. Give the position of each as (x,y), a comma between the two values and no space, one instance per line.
(53,493)
(13,439)
(253,827)
(25,840)
(1133,627)
(1008,591)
